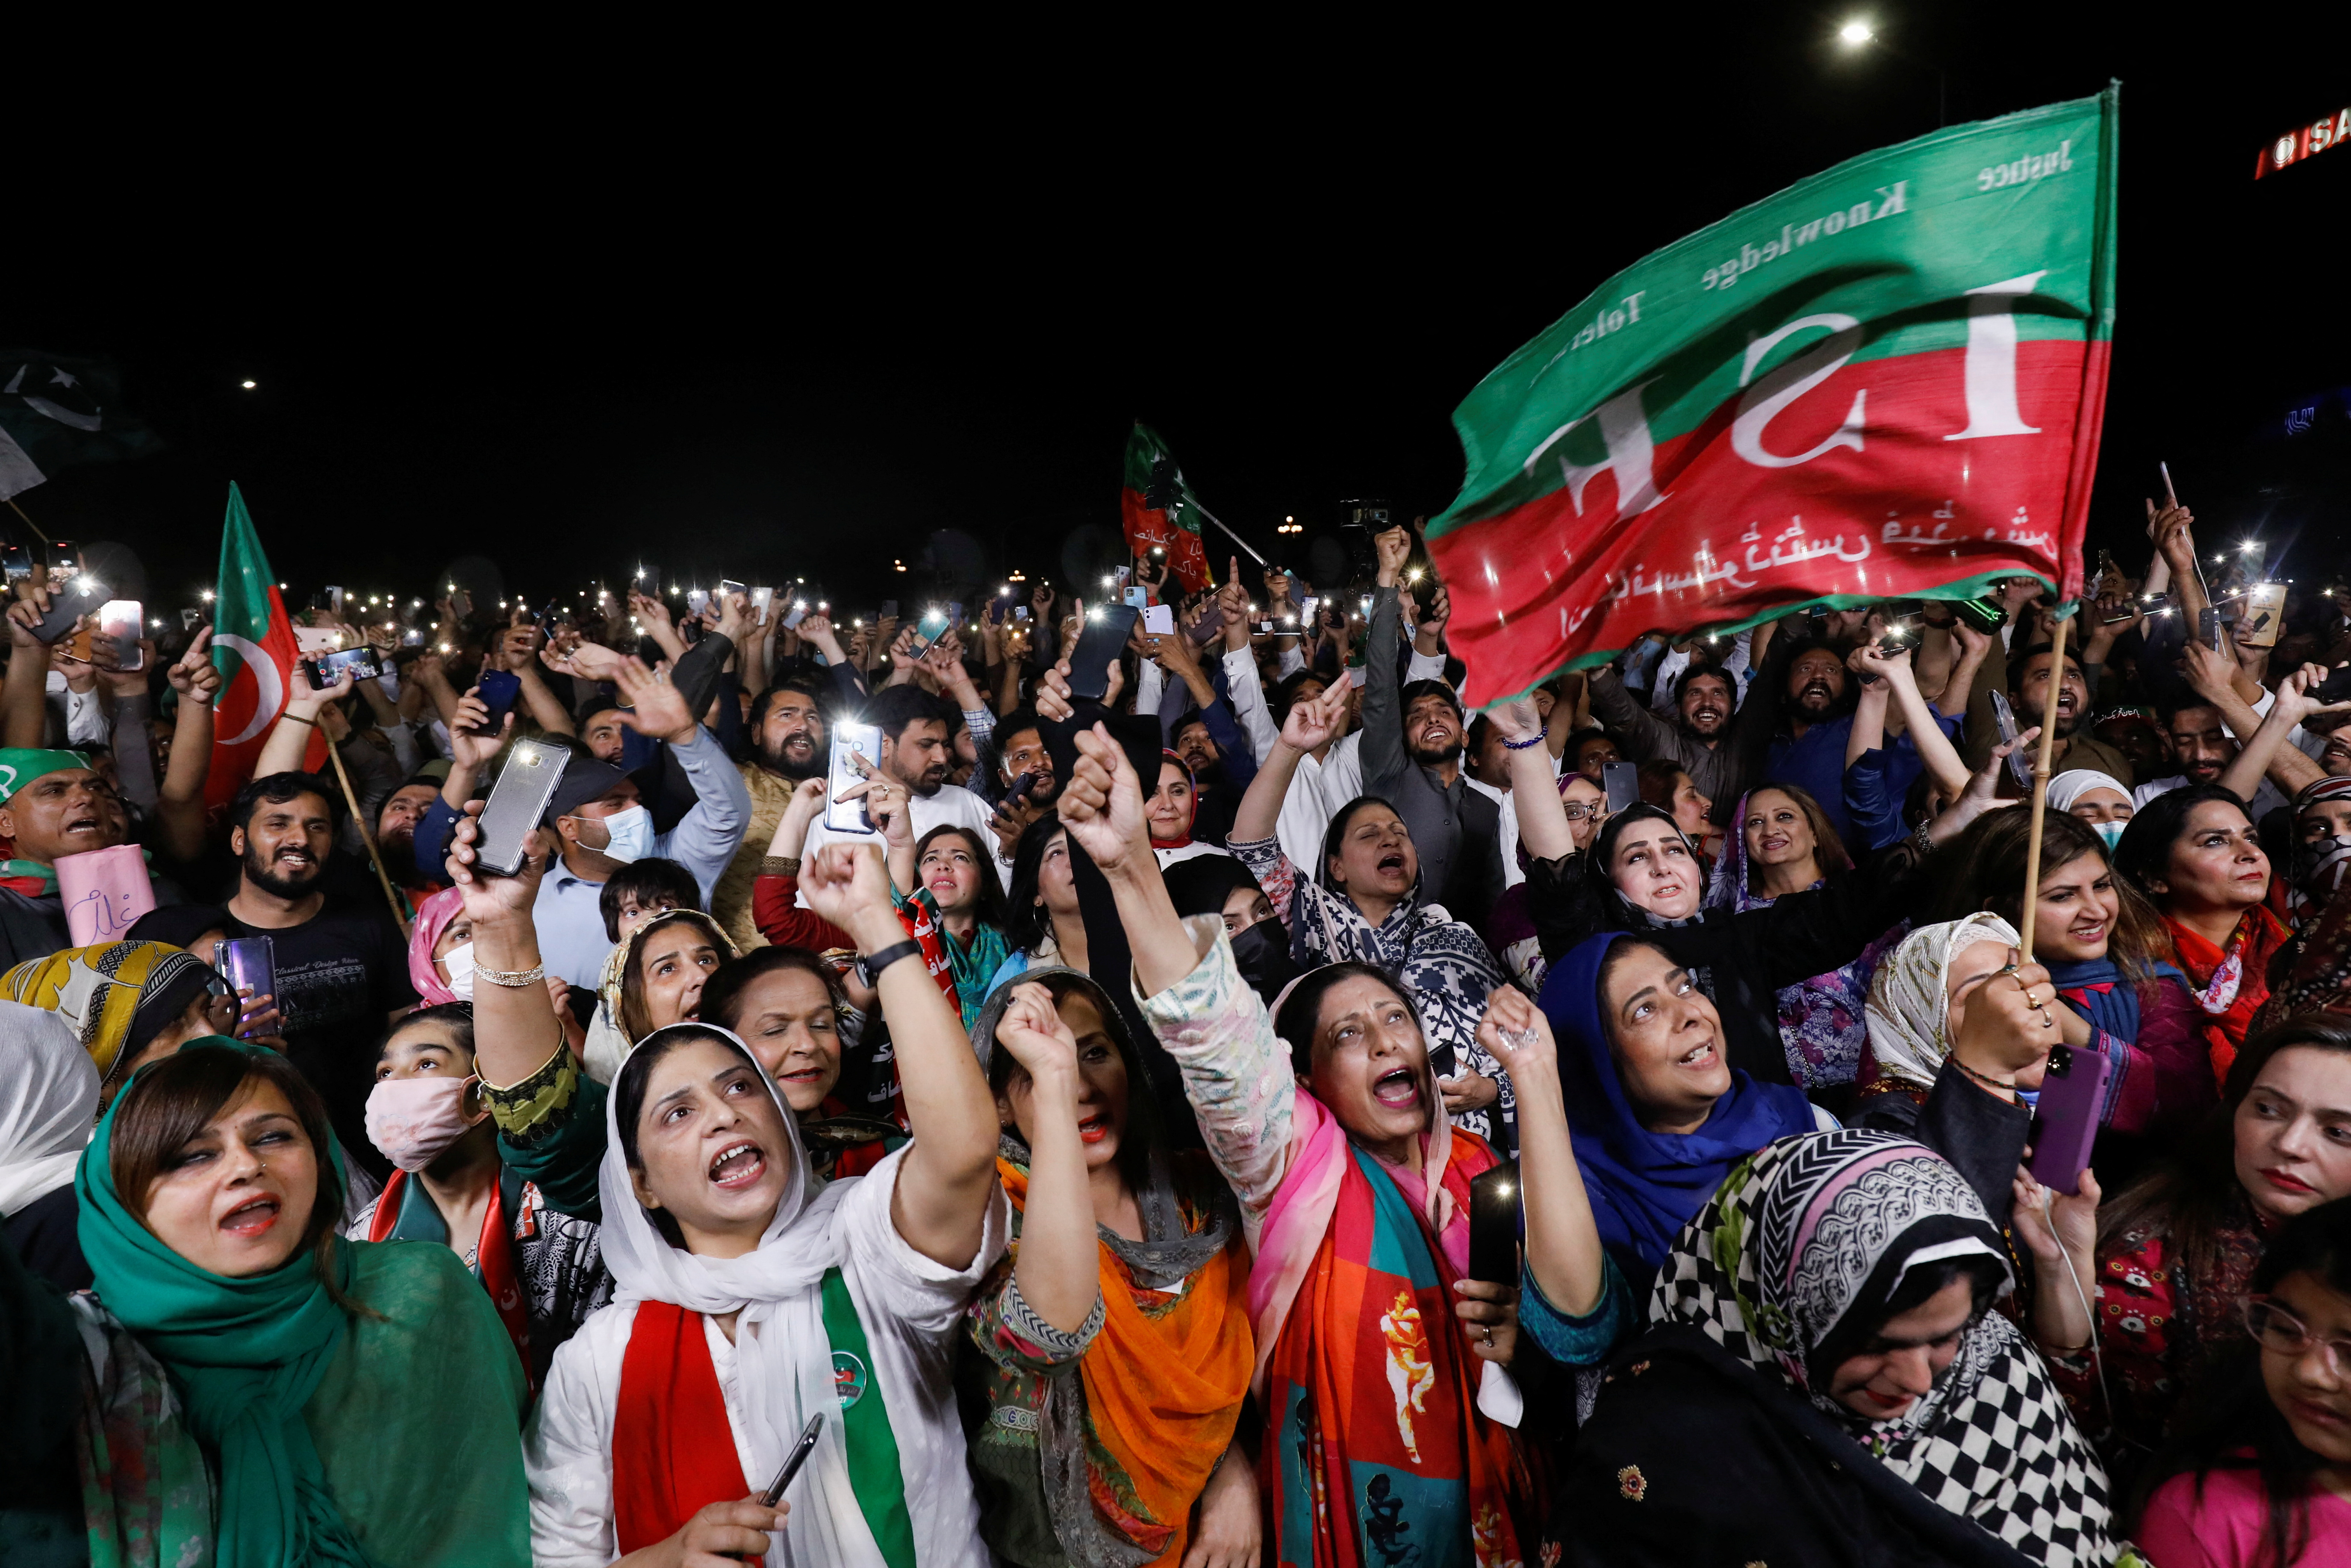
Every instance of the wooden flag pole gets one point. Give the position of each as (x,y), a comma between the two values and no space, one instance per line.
(29,521)
(360,819)
(2041,790)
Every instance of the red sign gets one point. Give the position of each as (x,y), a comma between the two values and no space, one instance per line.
(2327,130)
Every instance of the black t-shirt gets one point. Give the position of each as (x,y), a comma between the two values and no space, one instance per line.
(340,976)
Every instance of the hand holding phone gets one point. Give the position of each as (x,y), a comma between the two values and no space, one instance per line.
(1621,781)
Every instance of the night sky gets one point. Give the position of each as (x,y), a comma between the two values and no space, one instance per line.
(796,322)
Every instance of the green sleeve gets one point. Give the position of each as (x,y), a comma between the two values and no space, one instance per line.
(551,1131)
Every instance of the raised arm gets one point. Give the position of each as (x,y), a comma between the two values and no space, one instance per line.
(1310,722)
(1927,737)
(940,1203)
(2265,750)
(1385,757)
(25,698)
(180,802)
(1868,731)
(289,739)
(1059,1269)
(1543,831)
(515,1028)
(1563,1240)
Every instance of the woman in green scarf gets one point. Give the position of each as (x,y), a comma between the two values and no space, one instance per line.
(359,1401)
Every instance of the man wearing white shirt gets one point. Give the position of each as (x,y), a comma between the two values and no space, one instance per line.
(916,751)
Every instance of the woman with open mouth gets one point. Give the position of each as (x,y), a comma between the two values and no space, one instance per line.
(787,1004)
(353,1401)
(653,978)
(2264,1476)
(1365,904)
(1109,1354)
(953,875)
(751,1295)
(1826,1380)
(1326,1121)
(2170,1260)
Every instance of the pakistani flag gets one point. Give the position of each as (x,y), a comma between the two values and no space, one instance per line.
(1159,509)
(253,648)
(55,411)
(1886,381)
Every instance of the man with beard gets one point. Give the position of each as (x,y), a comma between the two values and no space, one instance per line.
(1813,718)
(1705,704)
(342,969)
(1412,746)
(788,739)
(1218,776)
(2074,748)
(52,803)
(917,732)
(395,837)
(1019,748)
(2207,724)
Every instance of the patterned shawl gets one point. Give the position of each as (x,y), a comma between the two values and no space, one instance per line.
(1909,998)
(1778,1258)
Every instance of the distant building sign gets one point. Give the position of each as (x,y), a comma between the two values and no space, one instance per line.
(2305,141)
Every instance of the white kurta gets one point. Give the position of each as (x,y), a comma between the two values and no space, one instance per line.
(912,1310)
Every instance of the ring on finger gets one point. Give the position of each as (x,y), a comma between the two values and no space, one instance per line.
(2046,1021)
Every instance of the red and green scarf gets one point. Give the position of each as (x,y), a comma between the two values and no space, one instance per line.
(1378,1458)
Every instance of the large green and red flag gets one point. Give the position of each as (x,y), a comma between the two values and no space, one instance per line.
(1886,381)
(1159,509)
(254,649)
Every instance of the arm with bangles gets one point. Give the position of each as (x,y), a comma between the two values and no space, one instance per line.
(1543,830)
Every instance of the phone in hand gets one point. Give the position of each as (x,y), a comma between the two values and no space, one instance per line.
(1494,1209)
(499,691)
(1622,782)
(696,601)
(760,599)
(927,630)
(64,558)
(803,1447)
(68,602)
(117,623)
(2065,1116)
(848,741)
(1020,789)
(1158,619)
(2019,766)
(1138,597)
(517,800)
(888,610)
(2207,627)
(1020,612)
(250,964)
(2335,687)
(328,668)
(727,589)
(1981,613)
(15,562)
(1098,645)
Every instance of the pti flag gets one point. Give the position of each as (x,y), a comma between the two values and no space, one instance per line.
(53,410)
(1159,509)
(254,649)
(1885,381)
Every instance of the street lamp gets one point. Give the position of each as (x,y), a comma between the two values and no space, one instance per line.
(1856,33)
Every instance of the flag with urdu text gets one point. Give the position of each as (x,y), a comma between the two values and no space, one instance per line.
(254,649)
(1158,507)
(1885,381)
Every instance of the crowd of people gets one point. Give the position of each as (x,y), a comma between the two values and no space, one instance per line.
(1259,1113)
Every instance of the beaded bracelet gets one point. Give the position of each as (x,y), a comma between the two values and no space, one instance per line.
(513,980)
(1523,744)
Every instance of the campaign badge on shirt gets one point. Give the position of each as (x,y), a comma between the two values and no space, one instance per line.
(849,1379)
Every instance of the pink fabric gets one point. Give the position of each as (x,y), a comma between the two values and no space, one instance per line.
(2222,1529)
(433,918)
(1300,1215)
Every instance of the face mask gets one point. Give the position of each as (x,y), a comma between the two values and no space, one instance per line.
(413,1120)
(459,962)
(632,834)
(1261,952)
(2112,832)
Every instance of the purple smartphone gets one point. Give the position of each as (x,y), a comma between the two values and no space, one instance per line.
(251,965)
(2065,1119)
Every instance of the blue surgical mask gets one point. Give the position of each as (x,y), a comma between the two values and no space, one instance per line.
(2112,832)
(632,834)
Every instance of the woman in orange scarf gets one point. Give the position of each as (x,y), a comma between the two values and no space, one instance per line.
(1111,1350)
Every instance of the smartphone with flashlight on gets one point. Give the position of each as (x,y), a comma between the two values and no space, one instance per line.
(2019,766)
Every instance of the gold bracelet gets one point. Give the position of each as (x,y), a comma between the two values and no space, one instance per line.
(513,980)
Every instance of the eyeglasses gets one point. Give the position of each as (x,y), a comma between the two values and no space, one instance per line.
(2276,1328)
(1581,810)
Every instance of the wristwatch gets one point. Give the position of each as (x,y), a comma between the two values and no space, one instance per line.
(868,965)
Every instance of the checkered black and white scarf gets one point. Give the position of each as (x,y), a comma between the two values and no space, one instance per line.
(1780,1254)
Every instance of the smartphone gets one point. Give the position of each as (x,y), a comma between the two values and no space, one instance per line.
(1158,619)
(727,589)
(926,632)
(1306,609)
(1125,578)
(18,565)
(1622,781)
(696,601)
(760,599)
(1140,598)
(954,614)
(1107,630)
(801,1449)
(2207,627)
(2170,496)
(500,690)
(117,623)
(2065,1116)
(2019,766)
(799,614)
(517,800)
(64,558)
(461,604)
(68,602)
(1356,674)
(1981,613)
(1020,788)
(411,638)
(888,610)
(1901,634)
(1206,628)
(1494,1208)
(251,965)
(334,598)
(1020,612)
(328,668)
(1260,628)
(849,740)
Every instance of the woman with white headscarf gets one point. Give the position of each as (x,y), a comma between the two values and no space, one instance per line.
(2099,799)
(48,1104)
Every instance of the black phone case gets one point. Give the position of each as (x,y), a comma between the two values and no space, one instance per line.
(1100,644)
(1494,1206)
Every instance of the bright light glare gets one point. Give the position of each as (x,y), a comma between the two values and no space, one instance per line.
(2251,546)
(249,385)
(1856,32)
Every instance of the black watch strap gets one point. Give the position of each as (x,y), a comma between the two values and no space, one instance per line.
(871,964)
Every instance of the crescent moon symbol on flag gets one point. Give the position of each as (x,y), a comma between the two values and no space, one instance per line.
(268,692)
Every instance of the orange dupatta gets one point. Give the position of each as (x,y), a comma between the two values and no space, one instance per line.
(1164,1385)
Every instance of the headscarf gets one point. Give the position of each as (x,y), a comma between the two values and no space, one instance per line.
(1164,1418)
(1616,911)
(783,1357)
(48,1098)
(433,916)
(244,1355)
(2317,974)
(1909,1000)
(1645,1185)
(1167,757)
(2067,788)
(112,995)
(2318,867)
(1815,1229)
(608,1037)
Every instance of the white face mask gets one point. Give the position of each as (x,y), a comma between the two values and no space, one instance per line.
(458,962)
(2110,831)
(632,834)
